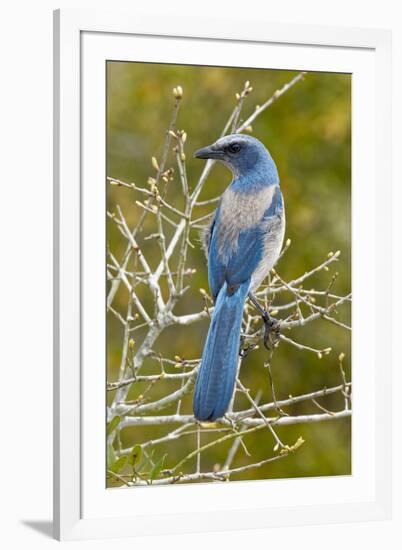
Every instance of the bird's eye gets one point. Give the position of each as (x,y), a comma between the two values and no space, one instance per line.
(234,148)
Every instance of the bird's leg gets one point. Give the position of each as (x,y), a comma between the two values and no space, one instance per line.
(271,325)
(244,351)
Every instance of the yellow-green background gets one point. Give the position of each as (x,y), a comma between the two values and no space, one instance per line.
(308,134)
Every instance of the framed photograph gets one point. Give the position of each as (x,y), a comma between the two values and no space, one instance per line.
(221,275)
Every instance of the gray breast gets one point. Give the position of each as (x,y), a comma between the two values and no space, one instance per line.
(240,211)
(273,239)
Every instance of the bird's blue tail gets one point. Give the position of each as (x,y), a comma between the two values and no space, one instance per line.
(217,374)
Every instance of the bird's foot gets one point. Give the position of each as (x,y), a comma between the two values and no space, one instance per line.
(272,328)
(246,347)
(244,351)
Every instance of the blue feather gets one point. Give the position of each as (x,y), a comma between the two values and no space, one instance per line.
(250,247)
(217,374)
(276,205)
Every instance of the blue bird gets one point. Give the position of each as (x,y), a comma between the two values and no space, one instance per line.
(243,243)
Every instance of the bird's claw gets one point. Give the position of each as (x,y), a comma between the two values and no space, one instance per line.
(244,351)
(272,329)
(272,326)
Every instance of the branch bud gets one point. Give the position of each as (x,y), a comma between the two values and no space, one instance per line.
(178,92)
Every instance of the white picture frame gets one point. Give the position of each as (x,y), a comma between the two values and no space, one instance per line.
(83,508)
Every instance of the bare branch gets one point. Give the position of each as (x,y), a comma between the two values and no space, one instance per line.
(147,313)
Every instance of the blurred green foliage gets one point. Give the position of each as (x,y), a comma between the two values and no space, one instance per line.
(308,132)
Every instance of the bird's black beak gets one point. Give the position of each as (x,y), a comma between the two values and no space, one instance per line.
(209,152)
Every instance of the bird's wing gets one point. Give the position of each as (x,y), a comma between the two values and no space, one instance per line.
(216,267)
(242,261)
(206,233)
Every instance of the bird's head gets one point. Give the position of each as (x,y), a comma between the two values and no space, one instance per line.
(242,154)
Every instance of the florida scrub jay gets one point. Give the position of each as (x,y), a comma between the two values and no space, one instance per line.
(243,243)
